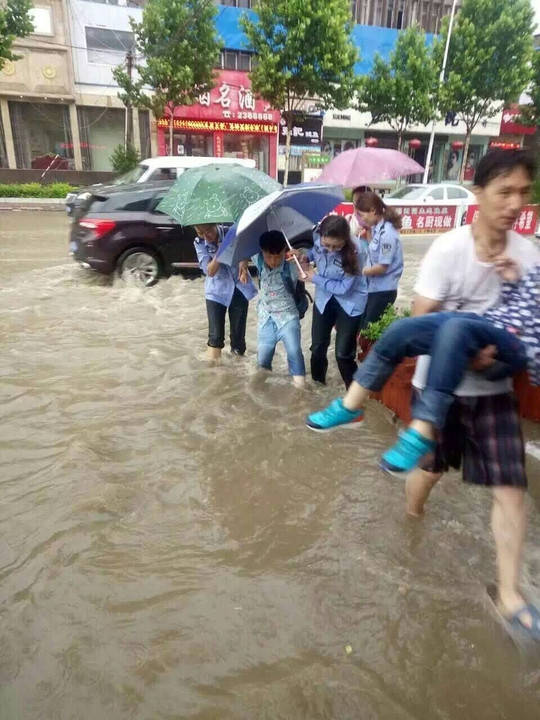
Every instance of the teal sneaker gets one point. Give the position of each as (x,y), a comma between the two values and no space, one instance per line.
(333,416)
(406,453)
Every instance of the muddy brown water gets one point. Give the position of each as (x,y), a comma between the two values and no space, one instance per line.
(174,543)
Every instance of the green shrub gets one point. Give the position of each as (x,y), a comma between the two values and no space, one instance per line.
(35,190)
(124,159)
(375,329)
(536,191)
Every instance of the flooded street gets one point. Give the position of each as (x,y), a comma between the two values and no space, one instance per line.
(175,544)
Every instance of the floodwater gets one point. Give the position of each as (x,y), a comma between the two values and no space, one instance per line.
(175,544)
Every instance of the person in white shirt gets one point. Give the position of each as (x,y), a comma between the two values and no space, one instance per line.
(482,430)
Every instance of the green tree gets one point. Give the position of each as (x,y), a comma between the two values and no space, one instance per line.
(304,52)
(401,91)
(179,49)
(124,158)
(15,22)
(488,60)
(530,113)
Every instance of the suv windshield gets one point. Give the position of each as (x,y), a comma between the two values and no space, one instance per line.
(132,176)
(409,192)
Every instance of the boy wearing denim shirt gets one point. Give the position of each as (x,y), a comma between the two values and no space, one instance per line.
(279,318)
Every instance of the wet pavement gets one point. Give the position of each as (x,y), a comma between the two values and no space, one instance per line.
(174,543)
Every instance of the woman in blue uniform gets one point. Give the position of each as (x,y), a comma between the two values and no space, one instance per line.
(340,296)
(384,252)
(223,290)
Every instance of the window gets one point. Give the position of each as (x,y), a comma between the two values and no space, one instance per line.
(456,193)
(42,135)
(437,194)
(163,174)
(229,60)
(107,47)
(235,60)
(42,19)
(237,3)
(244,61)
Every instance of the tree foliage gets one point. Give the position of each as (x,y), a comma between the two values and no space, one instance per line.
(488,61)
(178,47)
(124,158)
(15,22)
(531,111)
(304,52)
(401,90)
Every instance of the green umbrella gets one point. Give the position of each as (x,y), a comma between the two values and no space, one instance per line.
(215,193)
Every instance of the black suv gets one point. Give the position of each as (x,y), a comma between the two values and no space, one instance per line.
(118,229)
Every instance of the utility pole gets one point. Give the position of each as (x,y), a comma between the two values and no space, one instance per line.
(128,133)
(441,81)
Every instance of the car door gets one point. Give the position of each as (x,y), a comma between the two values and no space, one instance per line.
(174,242)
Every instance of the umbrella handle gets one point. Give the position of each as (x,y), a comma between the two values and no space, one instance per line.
(301,274)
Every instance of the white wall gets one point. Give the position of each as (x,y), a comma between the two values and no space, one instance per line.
(82,14)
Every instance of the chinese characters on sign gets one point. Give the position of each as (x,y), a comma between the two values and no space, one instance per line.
(219,125)
(525,224)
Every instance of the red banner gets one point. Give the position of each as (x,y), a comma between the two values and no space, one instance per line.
(230,99)
(525,224)
(219,125)
(417,219)
(510,124)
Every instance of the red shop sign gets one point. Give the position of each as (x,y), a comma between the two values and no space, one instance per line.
(230,99)
(416,220)
(510,124)
(525,224)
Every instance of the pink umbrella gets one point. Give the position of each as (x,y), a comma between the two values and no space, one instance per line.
(365,165)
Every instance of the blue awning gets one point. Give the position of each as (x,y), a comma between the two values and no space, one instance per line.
(369,39)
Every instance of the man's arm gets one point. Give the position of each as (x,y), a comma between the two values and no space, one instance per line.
(423,305)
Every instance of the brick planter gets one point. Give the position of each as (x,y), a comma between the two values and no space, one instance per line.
(396,394)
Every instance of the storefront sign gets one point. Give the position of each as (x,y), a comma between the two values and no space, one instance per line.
(510,123)
(230,99)
(504,145)
(525,224)
(306,131)
(417,220)
(219,126)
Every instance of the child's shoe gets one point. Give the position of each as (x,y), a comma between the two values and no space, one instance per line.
(333,416)
(406,453)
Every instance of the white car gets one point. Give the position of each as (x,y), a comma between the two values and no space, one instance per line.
(436,193)
(166,167)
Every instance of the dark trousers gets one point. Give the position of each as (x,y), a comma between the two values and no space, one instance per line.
(346,341)
(377,302)
(238,310)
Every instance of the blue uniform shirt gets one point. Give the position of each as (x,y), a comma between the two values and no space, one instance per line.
(349,290)
(220,287)
(385,249)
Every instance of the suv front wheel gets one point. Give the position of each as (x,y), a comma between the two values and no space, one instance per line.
(140,265)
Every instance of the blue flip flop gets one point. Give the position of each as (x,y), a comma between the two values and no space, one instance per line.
(514,624)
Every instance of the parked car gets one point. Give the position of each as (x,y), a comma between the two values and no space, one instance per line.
(119,229)
(151,169)
(437,194)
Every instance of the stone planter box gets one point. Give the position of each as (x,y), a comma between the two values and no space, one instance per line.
(396,393)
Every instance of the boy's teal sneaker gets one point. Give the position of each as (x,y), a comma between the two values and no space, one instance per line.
(406,453)
(333,416)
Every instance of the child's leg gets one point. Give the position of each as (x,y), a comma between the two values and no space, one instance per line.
(266,344)
(321,330)
(290,334)
(456,343)
(216,328)
(238,310)
(404,338)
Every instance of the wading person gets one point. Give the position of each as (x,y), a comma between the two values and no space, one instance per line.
(340,296)
(482,429)
(224,291)
(384,253)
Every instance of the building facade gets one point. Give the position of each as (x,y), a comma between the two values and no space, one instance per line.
(38,120)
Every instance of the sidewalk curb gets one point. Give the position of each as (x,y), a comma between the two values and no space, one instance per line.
(32,204)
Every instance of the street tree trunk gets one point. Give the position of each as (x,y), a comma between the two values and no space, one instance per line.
(465,154)
(400,139)
(287,150)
